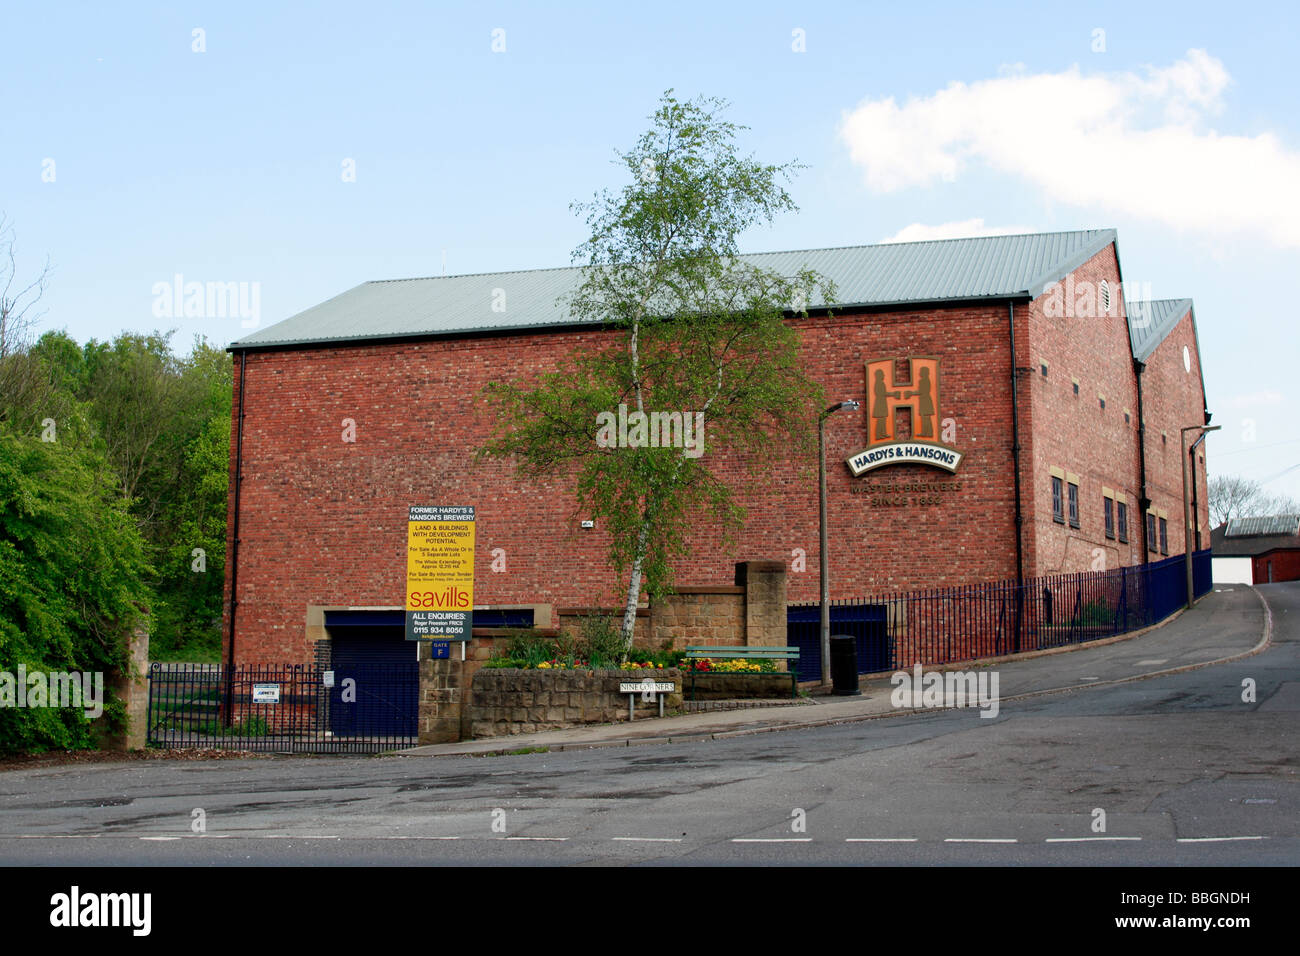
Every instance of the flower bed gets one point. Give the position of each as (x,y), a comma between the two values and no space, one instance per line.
(569,664)
(598,646)
(734,665)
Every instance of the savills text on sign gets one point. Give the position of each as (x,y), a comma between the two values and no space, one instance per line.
(439,572)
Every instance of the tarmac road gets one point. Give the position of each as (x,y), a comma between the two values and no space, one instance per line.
(1184,770)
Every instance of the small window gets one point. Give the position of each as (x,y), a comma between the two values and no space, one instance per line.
(1074,505)
(1058,504)
(1151,532)
(1043,367)
(1102,399)
(1121,520)
(1105,296)
(1076,387)
(1164,536)
(1126,419)
(1110,516)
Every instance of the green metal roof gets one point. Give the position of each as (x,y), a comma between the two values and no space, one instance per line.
(1150,321)
(948,270)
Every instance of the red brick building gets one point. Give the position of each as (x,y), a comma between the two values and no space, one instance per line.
(1013,360)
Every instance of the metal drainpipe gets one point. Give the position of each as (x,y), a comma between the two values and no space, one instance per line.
(1015,458)
(1143,501)
(1196,514)
(234,540)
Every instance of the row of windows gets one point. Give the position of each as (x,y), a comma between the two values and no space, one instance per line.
(1065,506)
(1152,519)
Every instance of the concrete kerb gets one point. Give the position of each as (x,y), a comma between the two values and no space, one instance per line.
(1263,643)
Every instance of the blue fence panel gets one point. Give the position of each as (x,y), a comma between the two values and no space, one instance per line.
(1202,573)
(1166,588)
(866,623)
(804,632)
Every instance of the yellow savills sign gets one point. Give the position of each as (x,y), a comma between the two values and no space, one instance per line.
(439,598)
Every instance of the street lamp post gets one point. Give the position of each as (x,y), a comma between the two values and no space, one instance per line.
(822,562)
(1189,465)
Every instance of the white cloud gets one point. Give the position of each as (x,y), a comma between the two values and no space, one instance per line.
(1255,399)
(1133,144)
(962,229)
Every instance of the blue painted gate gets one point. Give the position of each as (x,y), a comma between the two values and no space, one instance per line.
(865,622)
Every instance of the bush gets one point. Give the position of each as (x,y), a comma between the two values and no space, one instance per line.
(72,580)
(600,643)
(529,648)
(661,658)
(599,646)
(1094,614)
(253,726)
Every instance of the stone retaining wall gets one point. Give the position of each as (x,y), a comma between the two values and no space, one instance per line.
(512,701)
(733,686)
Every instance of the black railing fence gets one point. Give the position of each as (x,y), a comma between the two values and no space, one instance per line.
(357,708)
(942,625)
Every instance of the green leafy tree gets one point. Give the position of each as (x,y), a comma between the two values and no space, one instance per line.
(73,577)
(697,331)
(165,422)
(192,558)
(136,393)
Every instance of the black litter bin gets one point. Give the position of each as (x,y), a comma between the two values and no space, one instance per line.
(844,665)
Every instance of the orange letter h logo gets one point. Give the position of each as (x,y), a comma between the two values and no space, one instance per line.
(919,394)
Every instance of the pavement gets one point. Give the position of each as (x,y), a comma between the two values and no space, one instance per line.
(1229,623)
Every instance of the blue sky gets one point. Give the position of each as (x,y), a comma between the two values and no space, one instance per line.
(227,165)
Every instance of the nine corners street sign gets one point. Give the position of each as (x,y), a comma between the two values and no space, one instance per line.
(439,572)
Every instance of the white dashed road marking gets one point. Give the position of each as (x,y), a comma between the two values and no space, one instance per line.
(541,839)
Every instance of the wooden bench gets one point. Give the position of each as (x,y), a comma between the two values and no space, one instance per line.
(790,654)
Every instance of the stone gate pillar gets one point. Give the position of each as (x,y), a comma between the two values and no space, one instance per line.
(765,607)
(442,695)
(132,687)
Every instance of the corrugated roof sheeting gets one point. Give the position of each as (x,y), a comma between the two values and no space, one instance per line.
(1241,546)
(886,274)
(1150,321)
(1271,524)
